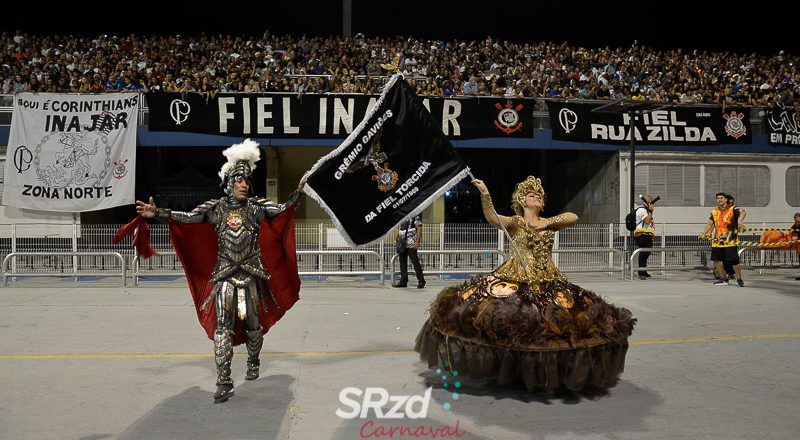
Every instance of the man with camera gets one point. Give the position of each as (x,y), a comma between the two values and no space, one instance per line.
(408,236)
(645,230)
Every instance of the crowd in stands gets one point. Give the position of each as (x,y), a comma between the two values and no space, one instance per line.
(210,64)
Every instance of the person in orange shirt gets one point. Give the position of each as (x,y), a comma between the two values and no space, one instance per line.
(739,215)
(795,232)
(724,222)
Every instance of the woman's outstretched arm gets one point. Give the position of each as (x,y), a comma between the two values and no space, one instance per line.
(489,212)
(560,221)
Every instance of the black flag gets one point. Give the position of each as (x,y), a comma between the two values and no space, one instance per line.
(394,164)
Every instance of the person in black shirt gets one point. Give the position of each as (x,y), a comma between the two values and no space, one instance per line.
(409,233)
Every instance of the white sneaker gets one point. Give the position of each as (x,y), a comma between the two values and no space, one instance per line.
(722,283)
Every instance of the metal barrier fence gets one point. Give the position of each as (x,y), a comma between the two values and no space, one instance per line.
(484,261)
(59,264)
(162,265)
(696,259)
(446,248)
(367,263)
(608,260)
(759,258)
(460,261)
(750,257)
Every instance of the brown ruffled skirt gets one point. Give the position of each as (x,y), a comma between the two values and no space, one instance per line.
(542,336)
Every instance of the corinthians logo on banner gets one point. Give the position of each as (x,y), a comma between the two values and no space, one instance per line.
(179,111)
(508,120)
(734,127)
(671,125)
(568,119)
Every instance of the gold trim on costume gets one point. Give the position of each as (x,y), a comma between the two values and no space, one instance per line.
(486,202)
(503,288)
(557,221)
(563,299)
(535,250)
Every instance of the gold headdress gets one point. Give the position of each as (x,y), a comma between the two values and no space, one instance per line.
(527,186)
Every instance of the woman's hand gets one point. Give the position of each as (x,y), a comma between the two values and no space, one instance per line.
(302,184)
(481,186)
(146,210)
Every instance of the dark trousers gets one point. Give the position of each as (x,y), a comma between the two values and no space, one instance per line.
(643,241)
(409,252)
(729,269)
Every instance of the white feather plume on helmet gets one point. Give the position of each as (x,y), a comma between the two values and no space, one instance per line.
(247,151)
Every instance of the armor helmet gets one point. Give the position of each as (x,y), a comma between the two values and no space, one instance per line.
(241,162)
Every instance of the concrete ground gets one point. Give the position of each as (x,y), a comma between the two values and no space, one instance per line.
(95,361)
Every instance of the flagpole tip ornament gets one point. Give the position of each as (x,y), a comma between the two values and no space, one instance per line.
(394,66)
(527,186)
(242,160)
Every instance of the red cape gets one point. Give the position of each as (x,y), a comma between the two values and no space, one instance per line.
(196,246)
(141,236)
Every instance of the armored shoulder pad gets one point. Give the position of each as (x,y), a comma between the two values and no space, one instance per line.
(207,206)
(260,201)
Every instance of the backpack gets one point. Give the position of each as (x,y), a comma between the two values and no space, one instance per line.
(630,221)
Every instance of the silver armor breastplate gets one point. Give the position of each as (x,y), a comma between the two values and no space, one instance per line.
(237,236)
(237,226)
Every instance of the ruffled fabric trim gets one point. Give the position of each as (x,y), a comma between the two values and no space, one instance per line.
(599,366)
(545,334)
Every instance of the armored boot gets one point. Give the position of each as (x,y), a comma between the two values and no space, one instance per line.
(255,339)
(223,354)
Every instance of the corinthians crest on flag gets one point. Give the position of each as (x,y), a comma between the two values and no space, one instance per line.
(394,164)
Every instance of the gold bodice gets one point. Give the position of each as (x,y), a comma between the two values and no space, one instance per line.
(535,249)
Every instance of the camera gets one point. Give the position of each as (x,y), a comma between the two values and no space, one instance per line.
(655,199)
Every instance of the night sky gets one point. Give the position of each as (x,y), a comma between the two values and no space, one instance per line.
(663,25)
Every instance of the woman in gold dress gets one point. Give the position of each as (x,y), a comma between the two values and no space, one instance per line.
(525,323)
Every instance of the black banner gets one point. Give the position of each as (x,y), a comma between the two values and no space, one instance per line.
(393,165)
(670,125)
(328,116)
(783,126)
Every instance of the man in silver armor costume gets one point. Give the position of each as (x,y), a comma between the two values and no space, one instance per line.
(239,277)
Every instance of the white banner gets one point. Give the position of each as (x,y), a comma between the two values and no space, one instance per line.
(71,153)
